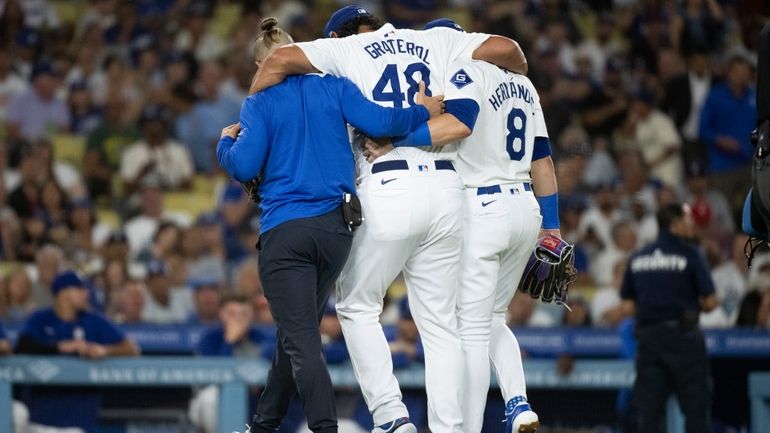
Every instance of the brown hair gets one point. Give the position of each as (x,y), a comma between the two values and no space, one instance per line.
(235,298)
(269,38)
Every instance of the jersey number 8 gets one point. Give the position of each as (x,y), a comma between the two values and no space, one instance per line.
(390,76)
(516,132)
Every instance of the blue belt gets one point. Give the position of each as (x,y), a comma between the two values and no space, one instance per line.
(494,189)
(400,164)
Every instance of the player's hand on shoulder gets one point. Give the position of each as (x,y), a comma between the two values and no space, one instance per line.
(434,104)
(376,147)
(231,131)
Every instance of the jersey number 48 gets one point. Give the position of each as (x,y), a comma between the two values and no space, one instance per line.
(395,95)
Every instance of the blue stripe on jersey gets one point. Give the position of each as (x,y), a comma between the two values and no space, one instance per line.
(542,148)
(465,110)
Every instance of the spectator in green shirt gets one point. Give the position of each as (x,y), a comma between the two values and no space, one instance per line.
(105,146)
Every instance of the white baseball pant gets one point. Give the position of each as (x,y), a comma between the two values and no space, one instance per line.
(500,228)
(412,224)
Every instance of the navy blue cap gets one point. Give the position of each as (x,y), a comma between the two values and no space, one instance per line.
(207,219)
(697,168)
(644,95)
(41,68)
(27,37)
(343,16)
(78,85)
(403,309)
(155,267)
(118,237)
(205,283)
(81,202)
(443,22)
(175,56)
(155,112)
(66,280)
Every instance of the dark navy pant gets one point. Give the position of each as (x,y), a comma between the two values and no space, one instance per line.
(669,361)
(299,262)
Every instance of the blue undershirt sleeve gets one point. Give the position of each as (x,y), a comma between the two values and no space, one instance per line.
(542,148)
(466,110)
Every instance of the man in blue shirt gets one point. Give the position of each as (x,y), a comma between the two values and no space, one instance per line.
(727,119)
(294,137)
(665,286)
(68,328)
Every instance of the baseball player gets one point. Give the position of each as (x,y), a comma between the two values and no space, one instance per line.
(412,200)
(502,218)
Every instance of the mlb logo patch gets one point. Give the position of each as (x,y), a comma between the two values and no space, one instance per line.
(422,167)
(460,79)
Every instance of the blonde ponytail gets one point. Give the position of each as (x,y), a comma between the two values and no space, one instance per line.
(269,38)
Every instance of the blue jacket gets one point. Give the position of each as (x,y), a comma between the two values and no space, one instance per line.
(724,114)
(294,134)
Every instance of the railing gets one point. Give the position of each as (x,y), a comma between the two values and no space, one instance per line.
(234,376)
(587,342)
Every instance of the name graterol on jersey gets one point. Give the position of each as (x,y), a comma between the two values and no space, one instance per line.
(397,46)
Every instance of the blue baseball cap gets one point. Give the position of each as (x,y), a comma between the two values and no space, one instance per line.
(207,219)
(443,22)
(155,267)
(42,68)
(27,37)
(78,85)
(65,280)
(205,282)
(343,16)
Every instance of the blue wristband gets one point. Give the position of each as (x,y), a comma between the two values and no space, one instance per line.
(549,209)
(418,137)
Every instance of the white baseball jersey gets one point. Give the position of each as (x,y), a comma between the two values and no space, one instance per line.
(500,149)
(412,223)
(388,64)
(500,227)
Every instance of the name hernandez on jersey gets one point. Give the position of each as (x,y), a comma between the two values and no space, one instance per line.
(510,90)
(500,149)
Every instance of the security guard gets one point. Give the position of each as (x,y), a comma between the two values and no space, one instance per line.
(666,285)
(294,137)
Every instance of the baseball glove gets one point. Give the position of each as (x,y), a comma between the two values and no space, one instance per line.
(550,270)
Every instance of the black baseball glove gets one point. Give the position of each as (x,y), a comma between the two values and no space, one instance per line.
(550,270)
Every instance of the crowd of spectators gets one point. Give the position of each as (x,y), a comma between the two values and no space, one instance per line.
(110,109)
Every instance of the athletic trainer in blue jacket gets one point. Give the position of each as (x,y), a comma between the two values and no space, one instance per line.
(294,136)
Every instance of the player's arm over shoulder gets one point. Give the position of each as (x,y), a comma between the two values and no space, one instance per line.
(503,52)
(287,60)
